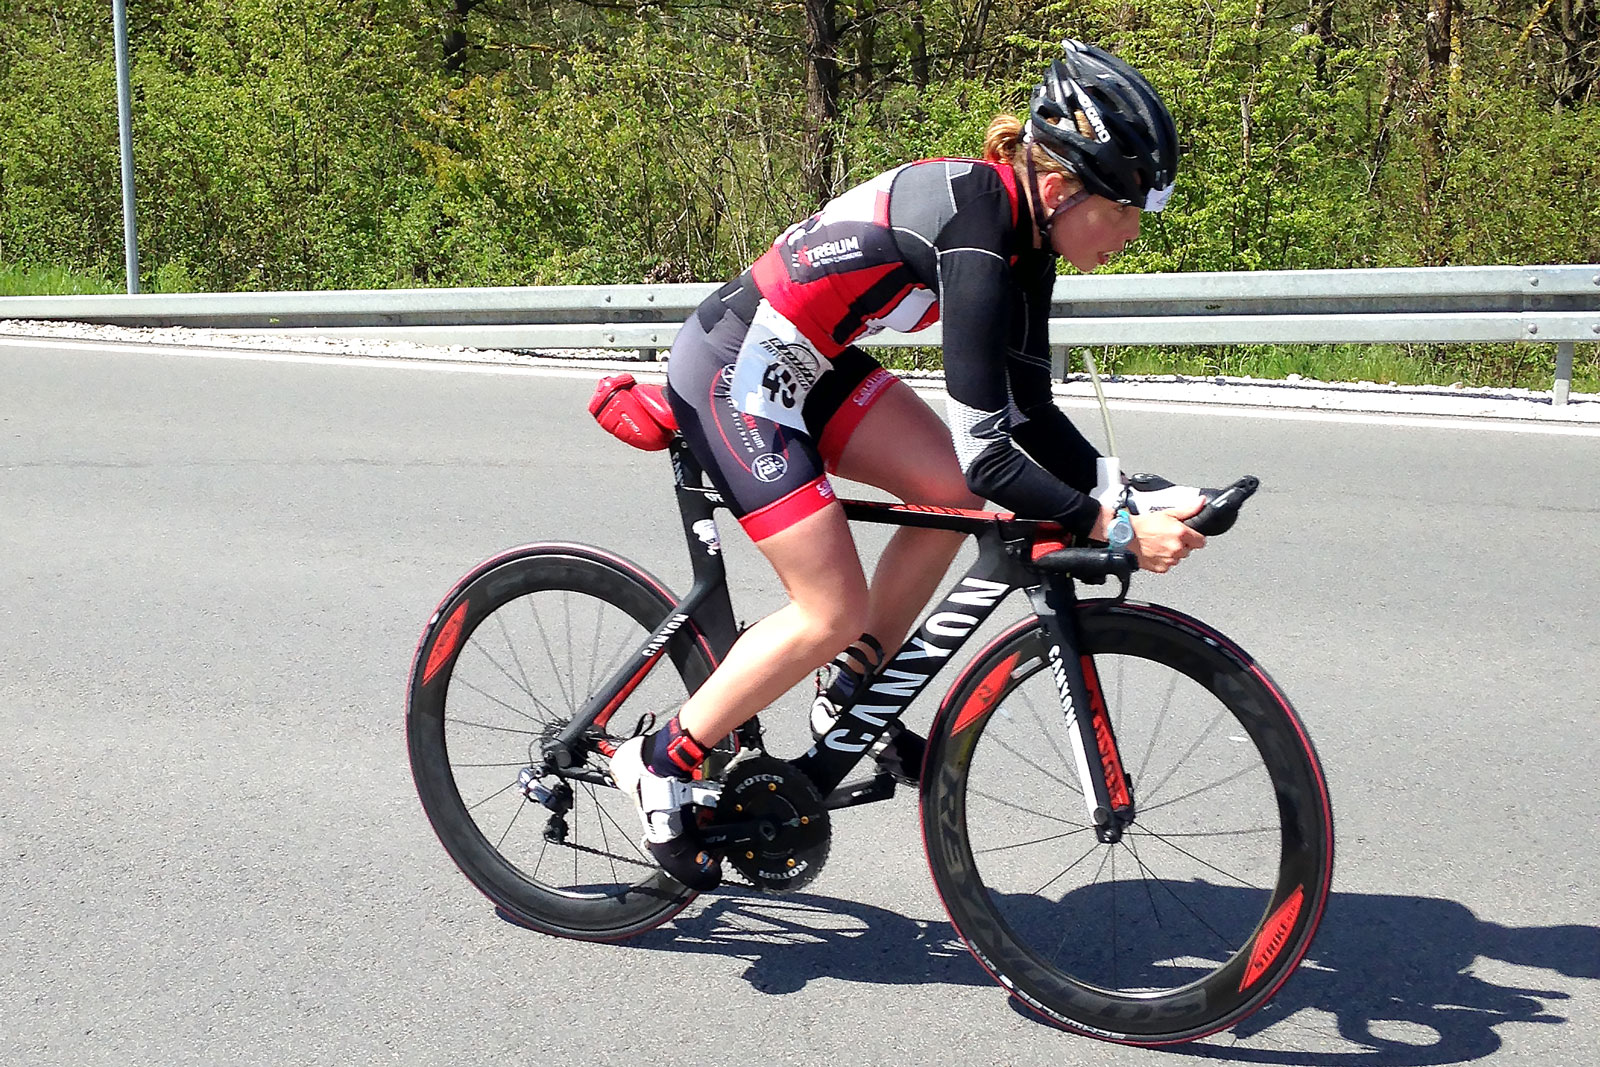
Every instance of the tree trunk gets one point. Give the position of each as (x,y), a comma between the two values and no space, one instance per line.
(1580,51)
(822,98)
(919,48)
(1319,19)
(866,46)
(455,35)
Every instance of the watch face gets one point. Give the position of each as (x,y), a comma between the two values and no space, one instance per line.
(1121,531)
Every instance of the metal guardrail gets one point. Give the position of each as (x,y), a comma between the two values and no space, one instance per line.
(1557,305)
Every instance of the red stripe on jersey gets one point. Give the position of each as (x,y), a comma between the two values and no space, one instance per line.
(788,510)
(813,305)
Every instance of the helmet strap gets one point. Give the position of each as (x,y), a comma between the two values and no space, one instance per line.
(1041,220)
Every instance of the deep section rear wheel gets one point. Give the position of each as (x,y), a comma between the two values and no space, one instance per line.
(1210,899)
(509,658)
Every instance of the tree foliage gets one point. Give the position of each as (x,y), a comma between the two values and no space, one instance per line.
(330,143)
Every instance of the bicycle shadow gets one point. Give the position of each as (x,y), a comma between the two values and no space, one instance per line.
(790,940)
(1398,975)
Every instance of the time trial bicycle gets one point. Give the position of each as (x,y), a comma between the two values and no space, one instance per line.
(1124,817)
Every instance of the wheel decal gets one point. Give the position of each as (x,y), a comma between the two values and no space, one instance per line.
(444,646)
(1273,937)
(984,696)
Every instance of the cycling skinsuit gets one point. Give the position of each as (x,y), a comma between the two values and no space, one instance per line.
(767,384)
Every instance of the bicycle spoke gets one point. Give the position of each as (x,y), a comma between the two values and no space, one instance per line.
(594,646)
(566,618)
(515,815)
(1155,731)
(605,842)
(513,784)
(1024,844)
(509,707)
(1019,807)
(1178,848)
(511,647)
(1065,870)
(521,686)
(1222,939)
(1221,714)
(519,731)
(538,863)
(1044,729)
(1042,770)
(1145,875)
(626,836)
(1235,776)
(555,668)
(1111,857)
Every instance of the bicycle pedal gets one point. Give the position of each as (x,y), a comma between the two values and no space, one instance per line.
(881,786)
(900,753)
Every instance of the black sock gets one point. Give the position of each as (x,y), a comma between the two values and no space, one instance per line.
(671,752)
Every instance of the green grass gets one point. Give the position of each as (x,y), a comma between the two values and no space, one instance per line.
(50,281)
(1525,366)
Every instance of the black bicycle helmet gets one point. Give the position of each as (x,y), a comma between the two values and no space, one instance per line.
(1133,156)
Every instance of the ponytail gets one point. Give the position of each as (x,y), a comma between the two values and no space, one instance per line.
(1003,143)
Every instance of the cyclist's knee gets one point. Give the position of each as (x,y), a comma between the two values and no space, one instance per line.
(828,624)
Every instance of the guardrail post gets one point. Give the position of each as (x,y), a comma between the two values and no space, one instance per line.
(1563,386)
(1058,363)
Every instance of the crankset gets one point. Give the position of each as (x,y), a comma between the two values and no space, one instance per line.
(770,824)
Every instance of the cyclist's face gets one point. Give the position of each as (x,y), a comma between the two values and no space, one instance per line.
(1089,234)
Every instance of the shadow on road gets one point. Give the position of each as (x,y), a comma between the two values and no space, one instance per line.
(792,939)
(1397,976)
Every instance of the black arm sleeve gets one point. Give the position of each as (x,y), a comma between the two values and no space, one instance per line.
(1044,431)
(978,306)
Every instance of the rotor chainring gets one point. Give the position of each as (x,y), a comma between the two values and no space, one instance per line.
(792,835)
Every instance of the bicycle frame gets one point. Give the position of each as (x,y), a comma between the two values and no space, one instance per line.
(1010,551)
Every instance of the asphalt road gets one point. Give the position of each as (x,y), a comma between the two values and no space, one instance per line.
(214,575)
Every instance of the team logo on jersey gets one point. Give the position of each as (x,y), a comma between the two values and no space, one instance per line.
(769,467)
(821,255)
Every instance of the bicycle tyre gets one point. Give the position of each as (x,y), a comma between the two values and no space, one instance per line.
(1123,971)
(476,716)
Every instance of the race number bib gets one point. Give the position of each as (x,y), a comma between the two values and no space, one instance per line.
(776,369)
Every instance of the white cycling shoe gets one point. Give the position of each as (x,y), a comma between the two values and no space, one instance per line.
(661,802)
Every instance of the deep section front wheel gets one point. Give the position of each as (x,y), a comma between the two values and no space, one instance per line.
(1211,897)
(506,662)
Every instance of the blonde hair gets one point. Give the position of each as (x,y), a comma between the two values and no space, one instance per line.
(1003,143)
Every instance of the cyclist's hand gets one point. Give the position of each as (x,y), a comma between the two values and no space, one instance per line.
(1161,540)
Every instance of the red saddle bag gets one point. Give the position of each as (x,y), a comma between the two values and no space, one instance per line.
(633,413)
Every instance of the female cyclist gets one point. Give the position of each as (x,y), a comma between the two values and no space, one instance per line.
(772,395)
